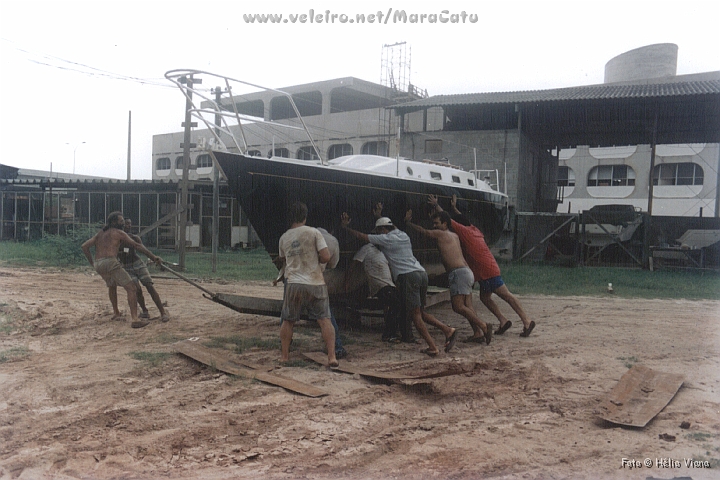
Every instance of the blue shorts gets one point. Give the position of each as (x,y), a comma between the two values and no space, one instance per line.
(461,281)
(491,284)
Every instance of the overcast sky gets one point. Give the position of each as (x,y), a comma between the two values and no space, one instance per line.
(71,71)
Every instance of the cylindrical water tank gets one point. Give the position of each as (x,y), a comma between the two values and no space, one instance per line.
(652,61)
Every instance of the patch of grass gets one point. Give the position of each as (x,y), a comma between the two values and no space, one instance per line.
(302,364)
(7,321)
(14,353)
(629,362)
(700,436)
(521,278)
(627,283)
(240,344)
(241,265)
(6,324)
(165,338)
(153,358)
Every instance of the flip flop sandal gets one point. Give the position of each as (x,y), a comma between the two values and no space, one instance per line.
(526,331)
(429,352)
(503,328)
(451,341)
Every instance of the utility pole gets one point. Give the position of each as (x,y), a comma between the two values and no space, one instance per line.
(186,145)
(216,188)
(129,145)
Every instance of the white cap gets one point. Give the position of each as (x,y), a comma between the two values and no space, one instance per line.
(383,222)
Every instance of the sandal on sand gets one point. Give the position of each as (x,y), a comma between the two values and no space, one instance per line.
(140,324)
(489,335)
(503,328)
(451,341)
(144,315)
(165,318)
(429,352)
(526,331)
(334,365)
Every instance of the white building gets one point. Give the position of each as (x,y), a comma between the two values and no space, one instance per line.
(684,177)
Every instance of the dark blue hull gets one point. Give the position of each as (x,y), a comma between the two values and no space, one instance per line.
(265,188)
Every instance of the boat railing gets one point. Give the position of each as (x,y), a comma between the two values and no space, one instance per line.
(216,116)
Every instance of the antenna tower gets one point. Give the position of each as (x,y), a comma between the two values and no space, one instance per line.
(395,75)
(395,66)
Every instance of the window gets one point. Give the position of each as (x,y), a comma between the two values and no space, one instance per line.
(433,146)
(339,150)
(471,182)
(611,176)
(308,104)
(163,163)
(254,153)
(455,179)
(179,163)
(565,177)
(375,148)
(306,153)
(204,161)
(279,152)
(436,175)
(678,174)
(255,108)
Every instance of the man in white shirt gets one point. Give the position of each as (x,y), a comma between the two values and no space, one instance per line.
(381,286)
(409,276)
(303,250)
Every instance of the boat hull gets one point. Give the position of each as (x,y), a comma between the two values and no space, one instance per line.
(266,188)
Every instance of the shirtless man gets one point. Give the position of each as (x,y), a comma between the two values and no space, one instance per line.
(107,244)
(485,268)
(459,274)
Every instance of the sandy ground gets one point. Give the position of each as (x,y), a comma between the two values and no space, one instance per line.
(76,403)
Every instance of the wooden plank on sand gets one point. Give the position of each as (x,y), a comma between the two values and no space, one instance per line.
(220,362)
(346,367)
(640,394)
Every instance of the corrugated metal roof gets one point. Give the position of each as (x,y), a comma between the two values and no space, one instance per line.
(591,92)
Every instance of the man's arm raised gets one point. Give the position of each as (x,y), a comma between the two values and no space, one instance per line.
(418,228)
(345,221)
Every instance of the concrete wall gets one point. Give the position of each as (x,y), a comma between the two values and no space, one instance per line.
(496,150)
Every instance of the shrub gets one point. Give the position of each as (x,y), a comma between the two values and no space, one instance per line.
(67,248)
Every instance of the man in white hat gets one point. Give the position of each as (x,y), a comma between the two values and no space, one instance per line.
(409,276)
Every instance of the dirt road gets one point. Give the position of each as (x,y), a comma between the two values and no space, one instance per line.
(84,396)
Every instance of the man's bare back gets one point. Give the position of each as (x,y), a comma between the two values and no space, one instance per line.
(107,243)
